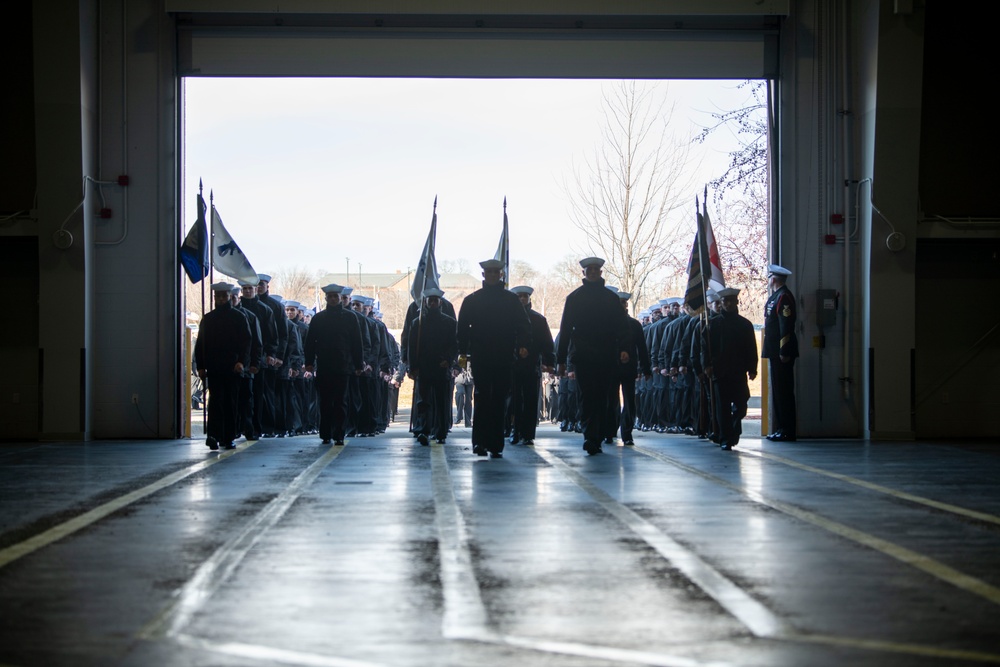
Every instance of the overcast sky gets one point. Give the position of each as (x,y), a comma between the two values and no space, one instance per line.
(309,172)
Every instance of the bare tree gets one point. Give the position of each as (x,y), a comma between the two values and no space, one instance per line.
(297,284)
(742,194)
(628,190)
(522,273)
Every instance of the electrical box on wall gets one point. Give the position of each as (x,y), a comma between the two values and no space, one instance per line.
(826,307)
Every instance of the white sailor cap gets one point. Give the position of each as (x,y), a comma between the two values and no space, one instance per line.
(236,289)
(728,292)
(591,261)
(611,288)
(624,296)
(432,291)
(332,288)
(358,298)
(775,269)
(222,287)
(522,289)
(263,278)
(675,300)
(662,302)
(278,298)
(291,304)
(491,264)
(245,283)
(711,296)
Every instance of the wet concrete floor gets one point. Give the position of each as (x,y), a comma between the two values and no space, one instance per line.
(383,552)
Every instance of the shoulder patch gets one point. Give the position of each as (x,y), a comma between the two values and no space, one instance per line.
(786,311)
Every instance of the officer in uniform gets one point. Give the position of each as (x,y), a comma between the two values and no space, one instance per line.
(222,353)
(781,348)
(333,353)
(595,328)
(433,353)
(245,418)
(493,328)
(528,371)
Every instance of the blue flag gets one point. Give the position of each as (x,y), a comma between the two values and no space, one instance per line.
(426,273)
(194,251)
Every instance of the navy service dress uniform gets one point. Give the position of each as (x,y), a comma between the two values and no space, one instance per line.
(221,353)
(781,348)
(433,353)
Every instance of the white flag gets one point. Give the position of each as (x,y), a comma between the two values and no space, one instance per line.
(227,257)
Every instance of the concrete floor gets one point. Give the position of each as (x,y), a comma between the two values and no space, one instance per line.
(288,552)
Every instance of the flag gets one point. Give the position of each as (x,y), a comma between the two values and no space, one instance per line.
(194,250)
(716,280)
(426,273)
(503,249)
(227,258)
(694,296)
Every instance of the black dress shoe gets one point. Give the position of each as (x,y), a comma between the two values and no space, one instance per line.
(339,443)
(496,455)
(781,437)
(326,441)
(479,451)
(629,443)
(422,439)
(211,443)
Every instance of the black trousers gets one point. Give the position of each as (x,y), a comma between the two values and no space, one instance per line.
(733,398)
(433,406)
(223,406)
(628,407)
(783,391)
(597,388)
(524,405)
(491,391)
(332,390)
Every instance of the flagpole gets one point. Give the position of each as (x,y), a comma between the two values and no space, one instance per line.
(423,280)
(211,236)
(506,248)
(204,384)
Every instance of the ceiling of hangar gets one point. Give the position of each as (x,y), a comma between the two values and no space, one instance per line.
(539,39)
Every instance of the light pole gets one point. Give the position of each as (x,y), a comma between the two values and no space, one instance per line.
(347,278)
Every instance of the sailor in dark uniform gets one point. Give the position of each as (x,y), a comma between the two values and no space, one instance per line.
(271,371)
(595,328)
(354,381)
(781,348)
(245,403)
(734,359)
(637,364)
(333,353)
(221,354)
(493,329)
(433,353)
(269,339)
(528,371)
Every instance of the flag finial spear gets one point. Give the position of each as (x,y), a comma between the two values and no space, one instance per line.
(201,187)
(505,201)
(435,202)
(211,196)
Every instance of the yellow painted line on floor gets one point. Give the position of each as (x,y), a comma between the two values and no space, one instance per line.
(220,565)
(927,564)
(871,486)
(894,647)
(58,532)
(609,653)
(760,620)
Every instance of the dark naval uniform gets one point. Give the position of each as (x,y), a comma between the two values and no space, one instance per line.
(432,354)
(333,345)
(492,325)
(528,377)
(223,341)
(733,360)
(780,341)
(638,364)
(595,328)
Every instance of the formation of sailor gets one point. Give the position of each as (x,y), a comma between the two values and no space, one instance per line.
(278,391)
